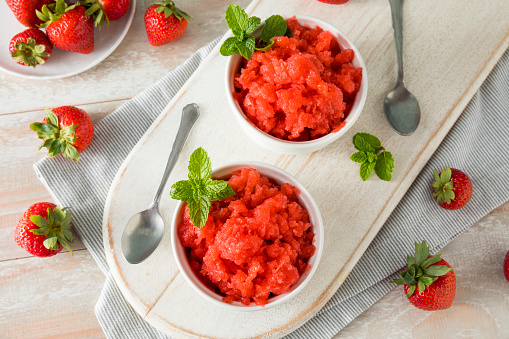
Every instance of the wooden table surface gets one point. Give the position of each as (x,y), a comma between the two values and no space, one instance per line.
(55,297)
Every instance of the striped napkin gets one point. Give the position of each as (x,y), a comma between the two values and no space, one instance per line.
(476,144)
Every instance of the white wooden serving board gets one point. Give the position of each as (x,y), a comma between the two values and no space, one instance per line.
(449,50)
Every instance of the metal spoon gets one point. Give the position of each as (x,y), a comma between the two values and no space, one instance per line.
(145,229)
(400,106)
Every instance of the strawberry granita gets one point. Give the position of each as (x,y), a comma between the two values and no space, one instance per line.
(255,244)
(302,88)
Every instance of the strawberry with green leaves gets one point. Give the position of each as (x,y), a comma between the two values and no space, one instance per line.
(24,10)
(44,229)
(105,10)
(68,27)
(30,47)
(452,188)
(164,22)
(66,130)
(429,281)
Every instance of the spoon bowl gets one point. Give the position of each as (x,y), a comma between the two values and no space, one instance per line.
(402,110)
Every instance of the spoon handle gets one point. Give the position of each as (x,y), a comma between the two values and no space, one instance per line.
(190,114)
(397,25)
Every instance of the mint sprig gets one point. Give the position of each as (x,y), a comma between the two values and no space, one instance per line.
(200,189)
(242,26)
(371,156)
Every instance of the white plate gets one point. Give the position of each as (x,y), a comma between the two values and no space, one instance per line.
(61,63)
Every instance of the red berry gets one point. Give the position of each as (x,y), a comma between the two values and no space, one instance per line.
(69,28)
(30,47)
(429,281)
(452,188)
(40,222)
(165,26)
(114,9)
(24,10)
(72,127)
(334,2)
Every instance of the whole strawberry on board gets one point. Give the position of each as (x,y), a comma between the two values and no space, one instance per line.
(67,130)
(506,266)
(68,27)
(30,47)
(452,188)
(105,10)
(334,2)
(24,10)
(164,22)
(44,229)
(429,281)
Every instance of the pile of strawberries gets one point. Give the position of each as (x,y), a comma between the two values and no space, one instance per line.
(71,27)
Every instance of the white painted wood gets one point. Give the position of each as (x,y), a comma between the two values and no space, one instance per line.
(448,53)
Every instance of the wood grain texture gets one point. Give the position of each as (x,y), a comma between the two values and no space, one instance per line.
(455,63)
(481,305)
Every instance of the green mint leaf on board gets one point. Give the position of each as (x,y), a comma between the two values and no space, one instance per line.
(200,189)
(372,155)
(366,169)
(236,18)
(274,26)
(384,166)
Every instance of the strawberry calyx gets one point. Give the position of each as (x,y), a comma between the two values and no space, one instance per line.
(53,12)
(442,186)
(56,140)
(57,228)
(169,8)
(420,273)
(95,10)
(30,53)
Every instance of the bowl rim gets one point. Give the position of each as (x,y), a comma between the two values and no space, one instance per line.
(204,291)
(271,140)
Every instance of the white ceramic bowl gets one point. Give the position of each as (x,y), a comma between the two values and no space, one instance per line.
(305,199)
(298,147)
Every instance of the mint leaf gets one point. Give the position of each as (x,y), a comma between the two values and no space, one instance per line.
(289,33)
(218,190)
(236,18)
(246,48)
(266,47)
(372,157)
(359,157)
(370,139)
(229,47)
(275,25)
(200,189)
(384,166)
(182,190)
(252,24)
(361,144)
(199,211)
(366,169)
(199,165)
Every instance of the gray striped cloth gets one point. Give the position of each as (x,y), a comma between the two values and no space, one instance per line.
(476,144)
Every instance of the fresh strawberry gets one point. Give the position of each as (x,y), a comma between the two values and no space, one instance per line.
(105,10)
(452,188)
(24,10)
(334,2)
(506,266)
(67,130)
(429,281)
(68,27)
(164,22)
(30,47)
(44,229)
